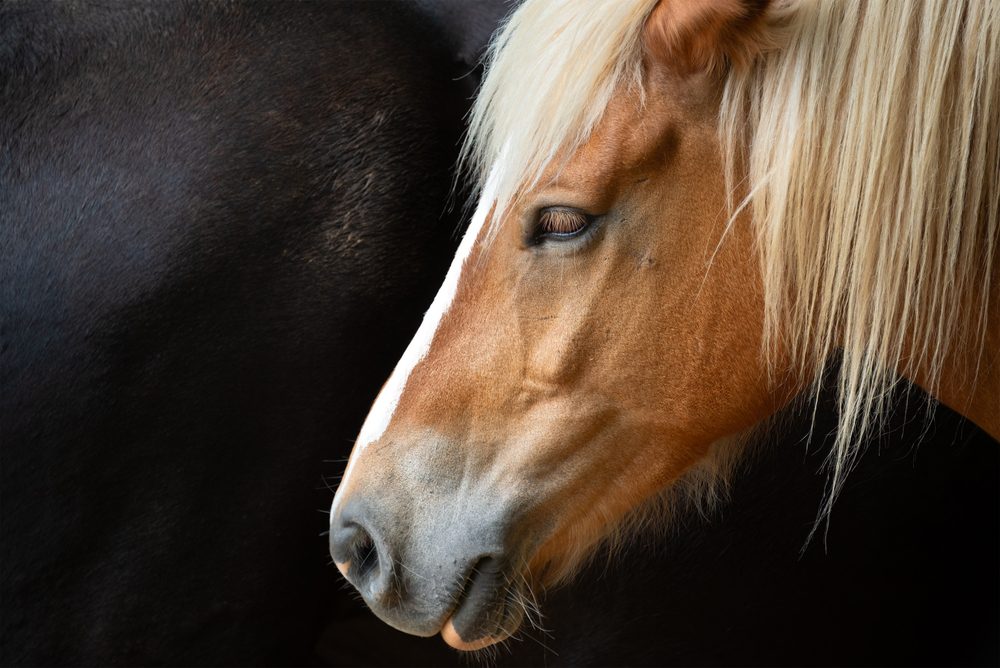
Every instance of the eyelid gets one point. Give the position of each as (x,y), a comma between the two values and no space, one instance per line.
(572,221)
(539,236)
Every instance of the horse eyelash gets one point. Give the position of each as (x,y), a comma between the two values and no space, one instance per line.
(560,224)
(561,221)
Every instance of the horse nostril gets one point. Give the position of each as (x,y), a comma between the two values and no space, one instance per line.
(364,555)
(361,554)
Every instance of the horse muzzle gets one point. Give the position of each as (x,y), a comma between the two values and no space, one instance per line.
(444,570)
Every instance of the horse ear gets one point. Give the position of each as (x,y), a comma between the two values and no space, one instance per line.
(697,35)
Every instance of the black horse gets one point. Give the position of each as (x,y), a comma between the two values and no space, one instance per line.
(219,222)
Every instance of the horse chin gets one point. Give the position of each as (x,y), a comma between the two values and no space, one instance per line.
(488,611)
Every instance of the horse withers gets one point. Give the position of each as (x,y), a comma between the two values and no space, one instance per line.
(687,210)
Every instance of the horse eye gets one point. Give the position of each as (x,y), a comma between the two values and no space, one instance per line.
(561,223)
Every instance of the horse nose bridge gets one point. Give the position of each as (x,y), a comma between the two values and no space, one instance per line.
(373,464)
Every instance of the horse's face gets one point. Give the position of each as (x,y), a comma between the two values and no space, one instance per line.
(588,357)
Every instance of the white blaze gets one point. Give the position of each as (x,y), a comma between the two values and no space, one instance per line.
(385,405)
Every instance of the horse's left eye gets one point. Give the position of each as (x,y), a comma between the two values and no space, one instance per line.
(561,223)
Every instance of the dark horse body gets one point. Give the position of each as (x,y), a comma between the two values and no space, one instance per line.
(219,223)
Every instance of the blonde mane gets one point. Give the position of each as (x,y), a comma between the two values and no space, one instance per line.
(869,142)
(874,163)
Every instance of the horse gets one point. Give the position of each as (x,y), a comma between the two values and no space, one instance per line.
(208,212)
(688,211)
